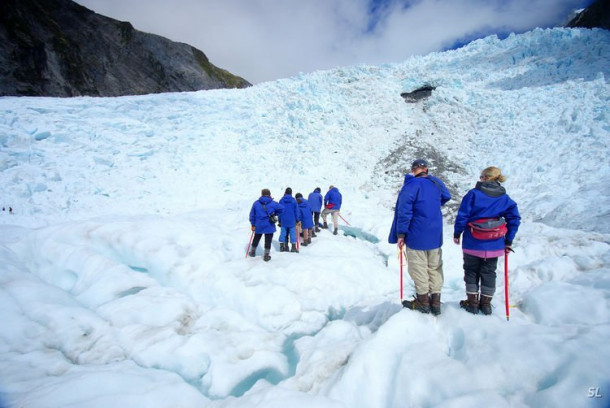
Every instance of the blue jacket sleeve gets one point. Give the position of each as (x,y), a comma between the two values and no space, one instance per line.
(463,215)
(445,195)
(404,210)
(513,220)
(252,215)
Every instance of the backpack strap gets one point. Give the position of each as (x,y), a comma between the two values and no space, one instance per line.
(435,183)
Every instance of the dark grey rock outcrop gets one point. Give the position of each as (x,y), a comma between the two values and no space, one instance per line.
(597,15)
(59,48)
(418,94)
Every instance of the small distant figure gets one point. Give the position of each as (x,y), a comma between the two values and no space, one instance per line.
(332,206)
(306,218)
(315,201)
(289,219)
(261,222)
(10,210)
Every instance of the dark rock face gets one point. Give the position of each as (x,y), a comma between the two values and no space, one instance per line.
(418,94)
(59,48)
(596,15)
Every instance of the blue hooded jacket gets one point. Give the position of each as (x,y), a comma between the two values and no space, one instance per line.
(333,197)
(259,218)
(306,214)
(487,200)
(418,213)
(315,200)
(290,215)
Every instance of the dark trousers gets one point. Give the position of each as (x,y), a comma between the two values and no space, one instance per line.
(316,219)
(257,239)
(480,271)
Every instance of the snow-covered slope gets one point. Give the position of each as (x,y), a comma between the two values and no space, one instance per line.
(123,277)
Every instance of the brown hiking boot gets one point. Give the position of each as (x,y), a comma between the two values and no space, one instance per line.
(420,303)
(485,304)
(471,304)
(435,303)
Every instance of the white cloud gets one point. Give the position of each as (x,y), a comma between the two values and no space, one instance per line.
(269,39)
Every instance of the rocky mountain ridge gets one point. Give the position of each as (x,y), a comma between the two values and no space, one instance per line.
(60,48)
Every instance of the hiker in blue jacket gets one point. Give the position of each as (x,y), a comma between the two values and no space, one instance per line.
(332,206)
(488,200)
(418,224)
(306,218)
(315,202)
(289,219)
(261,224)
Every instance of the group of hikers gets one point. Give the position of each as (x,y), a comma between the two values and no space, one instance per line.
(486,224)
(295,216)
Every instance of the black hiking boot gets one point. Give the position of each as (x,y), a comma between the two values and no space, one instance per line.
(283,247)
(325,226)
(471,304)
(317,229)
(485,304)
(309,240)
(252,252)
(266,256)
(305,243)
(419,303)
(435,303)
(313,234)
(294,248)
(336,231)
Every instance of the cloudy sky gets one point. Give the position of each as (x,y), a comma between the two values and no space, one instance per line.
(262,40)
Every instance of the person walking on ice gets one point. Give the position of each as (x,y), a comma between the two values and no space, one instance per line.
(485,206)
(306,217)
(418,224)
(261,222)
(332,206)
(289,219)
(315,200)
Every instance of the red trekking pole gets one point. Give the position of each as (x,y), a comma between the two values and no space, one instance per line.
(506,251)
(344,220)
(249,243)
